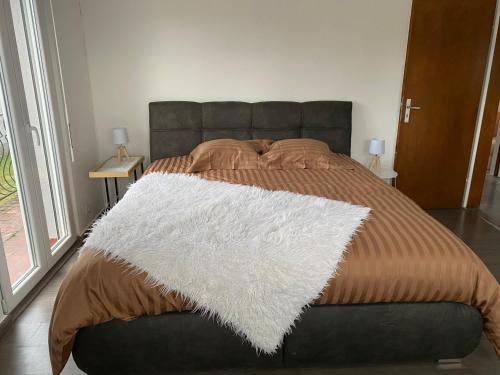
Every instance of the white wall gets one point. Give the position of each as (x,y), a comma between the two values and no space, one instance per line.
(88,193)
(252,50)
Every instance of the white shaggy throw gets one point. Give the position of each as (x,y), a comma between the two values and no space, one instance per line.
(253,258)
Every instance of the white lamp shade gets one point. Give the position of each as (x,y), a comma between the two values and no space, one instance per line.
(120,136)
(377,146)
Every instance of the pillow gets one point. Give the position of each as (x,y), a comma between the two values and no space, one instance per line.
(228,154)
(300,153)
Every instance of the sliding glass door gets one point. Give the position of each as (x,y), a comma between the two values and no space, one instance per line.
(34,225)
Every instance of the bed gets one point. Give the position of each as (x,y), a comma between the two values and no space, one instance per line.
(407,290)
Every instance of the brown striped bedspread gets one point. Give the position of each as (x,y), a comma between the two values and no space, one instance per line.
(401,255)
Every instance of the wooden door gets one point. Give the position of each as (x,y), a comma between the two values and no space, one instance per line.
(446,58)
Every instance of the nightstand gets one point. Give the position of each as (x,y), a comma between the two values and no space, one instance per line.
(113,168)
(388,175)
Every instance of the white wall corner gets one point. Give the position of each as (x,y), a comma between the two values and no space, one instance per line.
(482,103)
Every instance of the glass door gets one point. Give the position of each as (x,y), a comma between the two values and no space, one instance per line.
(34,230)
(47,160)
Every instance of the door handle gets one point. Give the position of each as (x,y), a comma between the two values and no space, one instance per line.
(408,109)
(37,134)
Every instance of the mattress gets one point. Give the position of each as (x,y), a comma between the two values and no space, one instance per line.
(400,255)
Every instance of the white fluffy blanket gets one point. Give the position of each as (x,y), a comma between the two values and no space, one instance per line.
(253,258)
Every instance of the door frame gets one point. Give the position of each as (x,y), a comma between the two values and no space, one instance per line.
(486,122)
(496,168)
(29,190)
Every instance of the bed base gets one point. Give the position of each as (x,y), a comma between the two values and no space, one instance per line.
(325,336)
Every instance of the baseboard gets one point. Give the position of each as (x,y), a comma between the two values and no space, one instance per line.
(7,321)
(83,234)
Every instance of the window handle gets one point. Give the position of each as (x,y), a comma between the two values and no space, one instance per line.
(34,129)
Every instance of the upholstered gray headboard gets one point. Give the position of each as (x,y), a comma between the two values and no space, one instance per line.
(176,127)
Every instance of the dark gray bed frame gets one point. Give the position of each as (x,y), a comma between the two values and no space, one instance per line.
(325,335)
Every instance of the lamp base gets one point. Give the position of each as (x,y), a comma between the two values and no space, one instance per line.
(121,152)
(375,165)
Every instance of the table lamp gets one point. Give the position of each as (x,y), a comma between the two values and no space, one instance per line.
(120,138)
(377,148)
